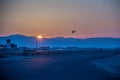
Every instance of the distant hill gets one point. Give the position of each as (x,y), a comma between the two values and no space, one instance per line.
(29,41)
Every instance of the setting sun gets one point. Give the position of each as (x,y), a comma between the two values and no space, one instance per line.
(39,37)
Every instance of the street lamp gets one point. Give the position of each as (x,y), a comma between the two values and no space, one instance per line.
(39,37)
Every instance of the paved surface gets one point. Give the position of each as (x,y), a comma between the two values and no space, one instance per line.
(64,67)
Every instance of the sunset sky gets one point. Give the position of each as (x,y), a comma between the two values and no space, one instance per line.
(53,18)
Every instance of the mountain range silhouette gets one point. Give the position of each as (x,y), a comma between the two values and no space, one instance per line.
(30,41)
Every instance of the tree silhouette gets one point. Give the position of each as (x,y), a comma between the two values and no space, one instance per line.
(8,41)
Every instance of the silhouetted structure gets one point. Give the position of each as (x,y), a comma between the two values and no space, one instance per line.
(9,44)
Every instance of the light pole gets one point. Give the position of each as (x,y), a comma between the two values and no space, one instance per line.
(39,37)
(36,43)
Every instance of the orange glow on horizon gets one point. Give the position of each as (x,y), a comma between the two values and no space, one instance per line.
(39,36)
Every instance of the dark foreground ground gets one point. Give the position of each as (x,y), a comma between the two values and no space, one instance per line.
(59,67)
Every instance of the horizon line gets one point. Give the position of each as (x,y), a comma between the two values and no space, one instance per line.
(75,37)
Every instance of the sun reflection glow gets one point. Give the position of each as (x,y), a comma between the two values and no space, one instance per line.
(39,36)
